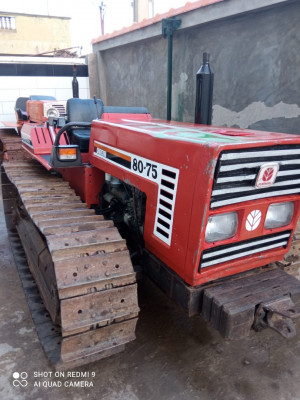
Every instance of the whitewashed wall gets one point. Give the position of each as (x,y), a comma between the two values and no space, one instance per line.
(12,87)
(50,76)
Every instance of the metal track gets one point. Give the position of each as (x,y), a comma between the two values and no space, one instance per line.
(80,264)
(11,146)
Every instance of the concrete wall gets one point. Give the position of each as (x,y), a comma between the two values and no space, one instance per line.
(35,34)
(254,55)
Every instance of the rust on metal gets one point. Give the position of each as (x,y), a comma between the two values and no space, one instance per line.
(231,307)
(80,264)
(278,315)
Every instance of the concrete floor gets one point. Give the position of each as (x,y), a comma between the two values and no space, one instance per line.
(173,357)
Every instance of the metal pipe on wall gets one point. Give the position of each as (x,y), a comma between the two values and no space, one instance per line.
(169,25)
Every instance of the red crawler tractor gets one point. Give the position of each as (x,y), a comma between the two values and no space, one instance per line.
(206,207)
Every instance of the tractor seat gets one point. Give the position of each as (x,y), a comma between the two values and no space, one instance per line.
(37,97)
(82,110)
(20,108)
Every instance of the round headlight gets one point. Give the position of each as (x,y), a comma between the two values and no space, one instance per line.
(52,112)
(279,214)
(221,227)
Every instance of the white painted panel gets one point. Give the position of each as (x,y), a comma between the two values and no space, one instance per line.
(17,82)
(83,82)
(35,91)
(24,82)
(84,93)
(8,82)
(50,82)
(7,117)
(12,87)
(8,107)
(9,94)
(63,94)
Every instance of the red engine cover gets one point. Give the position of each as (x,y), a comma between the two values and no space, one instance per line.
(177,165)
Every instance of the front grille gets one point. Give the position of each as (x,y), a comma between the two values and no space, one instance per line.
(61,108)
(237,170)
(221,254)
(166,204)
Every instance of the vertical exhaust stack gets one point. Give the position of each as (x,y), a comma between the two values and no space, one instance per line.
(75,85)
(204,93)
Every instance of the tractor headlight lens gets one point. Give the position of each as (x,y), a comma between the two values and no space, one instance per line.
(279,214)
(52,112)
(221,227)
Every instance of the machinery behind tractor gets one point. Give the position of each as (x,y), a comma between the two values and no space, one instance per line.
(208,212)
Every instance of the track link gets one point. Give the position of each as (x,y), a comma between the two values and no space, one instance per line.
(80,264)
(11,146)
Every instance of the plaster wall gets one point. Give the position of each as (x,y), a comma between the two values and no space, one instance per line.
(24,86)
(254,56)
(35,35)
(26,76)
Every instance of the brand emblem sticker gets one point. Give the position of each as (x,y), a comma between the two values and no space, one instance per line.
(267,175)
(253,220)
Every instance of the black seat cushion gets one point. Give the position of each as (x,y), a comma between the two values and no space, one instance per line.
(82,110)
(20,108)
(82,138)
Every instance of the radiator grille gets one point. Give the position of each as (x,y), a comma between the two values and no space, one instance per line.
(237,170)
(233,251)
(61,108)
(166,204)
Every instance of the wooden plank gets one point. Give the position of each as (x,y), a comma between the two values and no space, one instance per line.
(98,341)
(99,272)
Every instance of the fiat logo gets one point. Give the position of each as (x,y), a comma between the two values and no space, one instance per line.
(267,175)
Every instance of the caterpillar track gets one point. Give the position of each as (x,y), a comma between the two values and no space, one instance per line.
(80,264)
(11,146)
